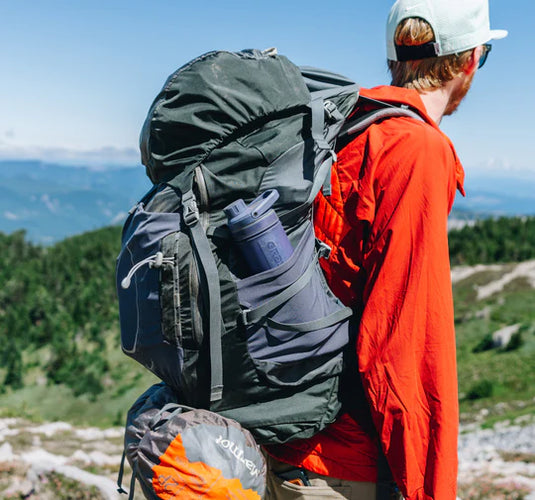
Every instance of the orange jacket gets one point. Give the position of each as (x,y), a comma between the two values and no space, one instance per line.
(386,220)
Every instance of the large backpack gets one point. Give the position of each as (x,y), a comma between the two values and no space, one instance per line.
(266,349)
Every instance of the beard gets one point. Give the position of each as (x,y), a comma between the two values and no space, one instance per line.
(458,95)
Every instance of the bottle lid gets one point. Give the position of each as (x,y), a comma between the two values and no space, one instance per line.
(238,213)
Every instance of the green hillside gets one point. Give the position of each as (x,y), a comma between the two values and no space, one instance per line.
(59,339)
(60,355)
(493,240)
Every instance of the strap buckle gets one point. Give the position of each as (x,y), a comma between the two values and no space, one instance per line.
(330,108)
(191,211)
(332,112)
(324,250)
(244,317)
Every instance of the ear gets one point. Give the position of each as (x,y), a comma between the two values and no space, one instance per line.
(472,63)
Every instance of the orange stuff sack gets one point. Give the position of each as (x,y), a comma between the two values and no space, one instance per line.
(180,452)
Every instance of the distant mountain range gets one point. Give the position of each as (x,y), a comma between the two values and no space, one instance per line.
(498,194)
(51,201)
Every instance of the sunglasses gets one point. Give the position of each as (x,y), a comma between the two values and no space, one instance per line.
(487,47)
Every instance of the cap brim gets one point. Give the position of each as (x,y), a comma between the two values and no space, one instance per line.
(497,34)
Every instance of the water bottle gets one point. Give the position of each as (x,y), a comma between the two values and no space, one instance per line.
(258,232)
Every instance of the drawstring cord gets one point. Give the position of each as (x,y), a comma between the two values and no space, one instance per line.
(154,261)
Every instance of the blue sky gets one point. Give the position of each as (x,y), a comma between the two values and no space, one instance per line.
(78,77)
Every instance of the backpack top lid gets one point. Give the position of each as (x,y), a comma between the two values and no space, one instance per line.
(207,101)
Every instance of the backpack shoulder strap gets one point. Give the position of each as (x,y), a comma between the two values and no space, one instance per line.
(361,121)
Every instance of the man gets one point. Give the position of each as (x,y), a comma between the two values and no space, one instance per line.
(386,221)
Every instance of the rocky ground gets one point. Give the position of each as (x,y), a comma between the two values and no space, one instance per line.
(59,461)
(498,462)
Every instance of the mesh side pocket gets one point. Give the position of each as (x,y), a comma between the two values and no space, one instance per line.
(291,345)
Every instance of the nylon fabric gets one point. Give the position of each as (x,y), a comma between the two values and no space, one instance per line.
(176,477)
(180,132)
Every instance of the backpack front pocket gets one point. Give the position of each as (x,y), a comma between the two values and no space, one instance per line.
(147,287)
(296,328)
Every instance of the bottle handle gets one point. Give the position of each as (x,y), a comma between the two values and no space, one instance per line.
(263,203)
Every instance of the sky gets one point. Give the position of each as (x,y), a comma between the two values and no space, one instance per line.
(78,77)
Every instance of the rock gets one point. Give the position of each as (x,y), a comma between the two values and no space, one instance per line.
(502,337)
(6,453)
(51,428)
(19,489)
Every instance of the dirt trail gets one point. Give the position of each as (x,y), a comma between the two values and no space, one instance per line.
(525,270)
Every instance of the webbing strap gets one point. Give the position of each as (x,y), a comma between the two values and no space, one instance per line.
(132,484)
(416,52)
(132,487)
(253,315)
(327,91)
(120,488)
(326,188)
(206,262)
(319,105)
(171,409)
(317,125)
(311,326)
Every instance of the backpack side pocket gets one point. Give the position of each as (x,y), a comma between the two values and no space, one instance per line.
(296,328)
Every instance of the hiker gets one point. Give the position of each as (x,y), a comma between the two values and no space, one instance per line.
(393,187)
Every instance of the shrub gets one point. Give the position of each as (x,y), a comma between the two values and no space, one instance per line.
(485,344)
(483,389)
(515,342)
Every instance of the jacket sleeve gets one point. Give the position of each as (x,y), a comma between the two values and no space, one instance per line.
(406,342)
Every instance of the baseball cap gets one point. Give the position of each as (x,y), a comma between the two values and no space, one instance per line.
(458,25)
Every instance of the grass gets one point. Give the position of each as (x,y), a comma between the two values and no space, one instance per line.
(509,456)
(64,488)
(56,402)
(488,414)
(507,377)
(8,471)
(41,401)
(465,292)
